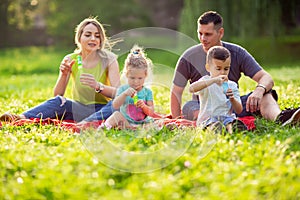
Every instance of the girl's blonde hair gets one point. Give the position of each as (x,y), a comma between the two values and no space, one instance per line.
(137,59)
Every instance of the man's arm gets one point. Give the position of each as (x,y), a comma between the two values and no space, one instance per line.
(176,97)
(267,83)
(264,78)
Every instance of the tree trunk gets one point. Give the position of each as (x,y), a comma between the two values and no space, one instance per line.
(4,23)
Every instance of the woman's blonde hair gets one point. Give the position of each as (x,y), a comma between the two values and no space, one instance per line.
(105,43)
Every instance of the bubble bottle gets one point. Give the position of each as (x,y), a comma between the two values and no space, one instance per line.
(135,99)
(225,87)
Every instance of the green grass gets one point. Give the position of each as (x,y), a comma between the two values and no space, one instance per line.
(30,60)
(46,162)
(273,52)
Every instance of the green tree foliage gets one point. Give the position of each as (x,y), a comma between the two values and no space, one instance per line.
(15,15)
(243,18)
(63,16)
(32,22)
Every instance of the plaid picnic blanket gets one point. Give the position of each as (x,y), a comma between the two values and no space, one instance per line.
(165,120)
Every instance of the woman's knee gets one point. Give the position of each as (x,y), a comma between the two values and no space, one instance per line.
(62,100)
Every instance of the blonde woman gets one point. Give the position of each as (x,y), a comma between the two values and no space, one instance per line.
(94,71)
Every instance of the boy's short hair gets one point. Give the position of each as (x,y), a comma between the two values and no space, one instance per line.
(217,52)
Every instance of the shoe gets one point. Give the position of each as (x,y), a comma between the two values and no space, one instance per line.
(217,127)
(289,117)
(8,117)
(171,126)
(238,125)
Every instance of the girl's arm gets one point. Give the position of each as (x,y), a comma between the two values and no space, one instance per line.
(147,108)
(119,100)
(64,76)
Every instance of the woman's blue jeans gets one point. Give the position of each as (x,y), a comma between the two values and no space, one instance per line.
(61,108)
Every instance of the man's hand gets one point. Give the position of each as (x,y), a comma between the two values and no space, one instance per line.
(254,101)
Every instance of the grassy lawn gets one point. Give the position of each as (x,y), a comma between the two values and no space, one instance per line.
(46,162)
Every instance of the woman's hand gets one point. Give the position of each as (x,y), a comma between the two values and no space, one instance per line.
(66,66)
(65,69)
(88,80)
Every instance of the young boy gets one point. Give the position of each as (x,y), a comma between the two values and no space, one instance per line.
(219,97)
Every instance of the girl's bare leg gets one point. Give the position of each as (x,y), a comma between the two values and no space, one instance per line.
(116,120)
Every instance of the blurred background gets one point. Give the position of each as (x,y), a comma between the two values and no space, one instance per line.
(269,29)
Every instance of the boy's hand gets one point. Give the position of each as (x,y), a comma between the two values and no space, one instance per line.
(229,94)
(221,79)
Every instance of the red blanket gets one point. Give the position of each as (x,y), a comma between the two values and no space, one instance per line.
(158,118)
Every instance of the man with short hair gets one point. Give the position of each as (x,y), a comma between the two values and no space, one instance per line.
(191,67)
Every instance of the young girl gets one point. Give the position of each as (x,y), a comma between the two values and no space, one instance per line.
(219,96)
(133,99)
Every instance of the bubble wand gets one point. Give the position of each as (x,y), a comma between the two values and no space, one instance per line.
(79,62)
